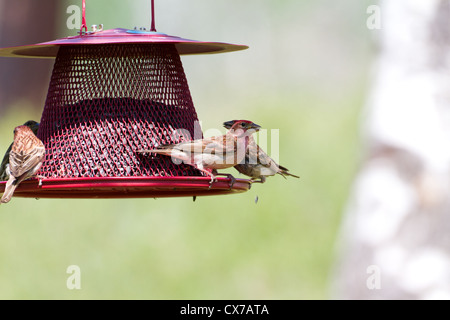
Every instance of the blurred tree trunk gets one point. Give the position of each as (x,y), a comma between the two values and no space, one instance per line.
(21,23)
(396,233)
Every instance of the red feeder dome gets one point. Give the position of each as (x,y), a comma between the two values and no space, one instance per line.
(111,93)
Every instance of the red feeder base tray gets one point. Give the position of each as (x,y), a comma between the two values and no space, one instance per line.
(126,187)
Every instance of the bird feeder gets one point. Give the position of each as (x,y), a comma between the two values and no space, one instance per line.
(111,93)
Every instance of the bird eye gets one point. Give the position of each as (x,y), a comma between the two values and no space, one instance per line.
(243,124)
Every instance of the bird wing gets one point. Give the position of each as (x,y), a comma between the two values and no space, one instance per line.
(260,162)
(201,145)
(194,146)
(185,151)
(216,145)
(4,164)
(256,155)
(21,162)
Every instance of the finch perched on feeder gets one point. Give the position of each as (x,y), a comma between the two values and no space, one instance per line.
(257,164)
(4,167)
(25,159)
(210,154)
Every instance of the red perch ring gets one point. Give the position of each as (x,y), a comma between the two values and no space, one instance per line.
(123,187)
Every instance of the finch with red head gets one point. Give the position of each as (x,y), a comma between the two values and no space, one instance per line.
(25,159)
(210,154)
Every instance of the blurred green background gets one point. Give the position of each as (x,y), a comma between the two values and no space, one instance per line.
(306,73)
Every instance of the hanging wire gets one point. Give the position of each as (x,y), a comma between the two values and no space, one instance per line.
(153,28)
(83,19)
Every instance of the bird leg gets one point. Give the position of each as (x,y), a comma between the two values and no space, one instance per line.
(262,179)
(40,179)
(209,173)
(229,176)
(213,179)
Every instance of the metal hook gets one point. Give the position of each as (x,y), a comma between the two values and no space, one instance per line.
(153,28)
(83,19)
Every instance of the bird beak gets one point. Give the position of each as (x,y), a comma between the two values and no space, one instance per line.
(255,127)
(229,124)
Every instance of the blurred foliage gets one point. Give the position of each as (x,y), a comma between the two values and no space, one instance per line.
(305,74)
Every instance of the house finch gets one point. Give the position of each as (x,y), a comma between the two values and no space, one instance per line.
(257,164)
(210,154)
(25,159)
(4,167)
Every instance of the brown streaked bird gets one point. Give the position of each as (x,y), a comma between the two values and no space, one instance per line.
(4,167)
(25,159)
(211,154)
(257,163)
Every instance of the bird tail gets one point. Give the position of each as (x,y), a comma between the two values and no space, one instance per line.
(285,172)
(159,149)
(166,152)
(10,187)
(176,154)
